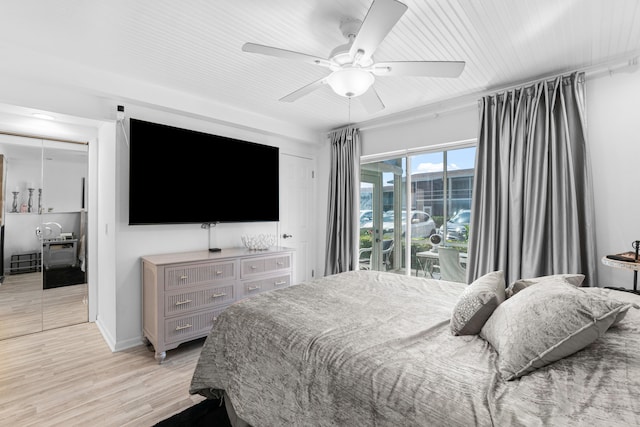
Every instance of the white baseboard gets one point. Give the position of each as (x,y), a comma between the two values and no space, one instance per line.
(133,342)
(115,345)
(105,334)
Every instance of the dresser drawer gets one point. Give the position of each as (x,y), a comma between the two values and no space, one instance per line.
(196,300)
(249,267)
(190,326)
(253,287)
(186,275)
(277,263)
(253,266)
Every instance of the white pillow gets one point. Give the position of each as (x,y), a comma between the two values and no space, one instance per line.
(518,285)
(476,303)
(545,322)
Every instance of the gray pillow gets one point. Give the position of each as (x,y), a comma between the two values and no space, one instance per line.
(518,285)
(545,322)
(476,303)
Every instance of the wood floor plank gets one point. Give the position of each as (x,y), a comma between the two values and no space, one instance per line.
(69,377)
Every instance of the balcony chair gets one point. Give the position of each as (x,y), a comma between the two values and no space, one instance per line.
(450,268)
(387,248)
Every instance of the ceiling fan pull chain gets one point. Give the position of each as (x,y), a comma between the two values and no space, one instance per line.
(349,137)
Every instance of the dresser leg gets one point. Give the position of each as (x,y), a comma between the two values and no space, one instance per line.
(161,356)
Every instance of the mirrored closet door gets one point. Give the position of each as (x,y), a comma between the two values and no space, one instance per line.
(42,235)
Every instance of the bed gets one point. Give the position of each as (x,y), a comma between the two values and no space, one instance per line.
(368,348)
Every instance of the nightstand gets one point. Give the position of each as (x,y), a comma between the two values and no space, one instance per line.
(628,265)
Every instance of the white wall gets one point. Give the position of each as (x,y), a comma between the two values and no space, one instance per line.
(62,187)
(103,264)
(613,121)
(431,129)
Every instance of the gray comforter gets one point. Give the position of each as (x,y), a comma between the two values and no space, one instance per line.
(375,349)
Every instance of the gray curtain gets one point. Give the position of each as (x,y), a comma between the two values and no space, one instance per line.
(344,203)
(533,209)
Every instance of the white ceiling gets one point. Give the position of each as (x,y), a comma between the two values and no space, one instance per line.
(194,46)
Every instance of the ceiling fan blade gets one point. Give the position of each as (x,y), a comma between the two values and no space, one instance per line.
(297,94)
(380,19)
(283,53)
(419,68)
(371,101)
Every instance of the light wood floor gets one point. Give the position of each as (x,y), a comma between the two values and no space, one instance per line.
(70,377)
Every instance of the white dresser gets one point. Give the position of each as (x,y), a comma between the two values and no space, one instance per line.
(183,293)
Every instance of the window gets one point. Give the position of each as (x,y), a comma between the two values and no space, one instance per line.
(439,186)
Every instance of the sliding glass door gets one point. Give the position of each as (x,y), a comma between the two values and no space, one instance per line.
(442,184)
(403,214)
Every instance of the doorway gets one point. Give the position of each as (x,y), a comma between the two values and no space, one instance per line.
(44,219)
(380,238)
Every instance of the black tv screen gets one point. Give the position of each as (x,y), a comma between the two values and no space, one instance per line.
(180,176)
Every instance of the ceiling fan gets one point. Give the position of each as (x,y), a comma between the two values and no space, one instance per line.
(352,64)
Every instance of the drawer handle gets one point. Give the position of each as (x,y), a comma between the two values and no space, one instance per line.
(219,272)
(253,288)
(218,295)
(181,327)
(183,302)
(284,282)
(253,267)
(280,263)
(184,277)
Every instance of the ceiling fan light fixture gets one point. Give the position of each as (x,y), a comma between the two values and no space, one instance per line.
(353,69)
(350,82)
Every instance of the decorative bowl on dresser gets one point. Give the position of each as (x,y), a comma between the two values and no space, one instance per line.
(183,293)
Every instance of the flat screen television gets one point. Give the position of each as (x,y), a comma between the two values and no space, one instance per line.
(181,176)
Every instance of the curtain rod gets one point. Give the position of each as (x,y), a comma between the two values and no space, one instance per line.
(628,63)
(592,71)
(26,135)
